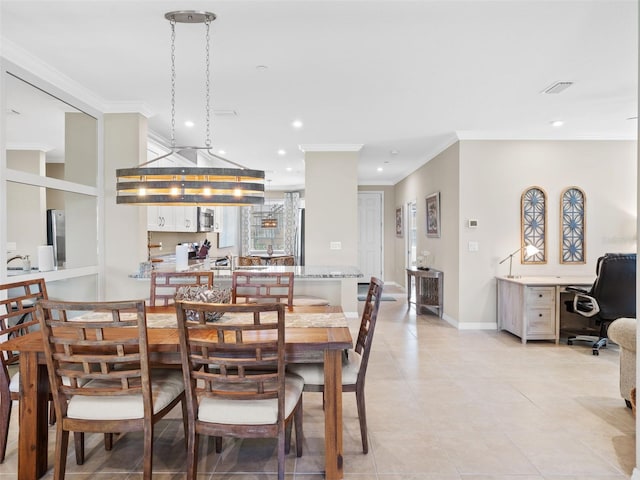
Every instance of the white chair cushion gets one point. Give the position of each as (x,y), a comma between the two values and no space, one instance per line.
(251,412)
(166,385)
(313,373)
(14,384)
(309,301)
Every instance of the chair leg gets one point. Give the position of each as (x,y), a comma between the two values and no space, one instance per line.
(108,441)
(52,413)
(287,436)
(5,416)
(62,445)
(147,461)
(192,453)
(297,417)
(362,416)
(218,441)
(281,454)
(78,442)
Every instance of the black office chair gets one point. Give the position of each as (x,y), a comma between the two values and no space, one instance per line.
(612,296)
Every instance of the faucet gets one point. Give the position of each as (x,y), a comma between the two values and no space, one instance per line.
(14,258)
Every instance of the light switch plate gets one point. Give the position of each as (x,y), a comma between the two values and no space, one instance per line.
(474,246)
(335,245)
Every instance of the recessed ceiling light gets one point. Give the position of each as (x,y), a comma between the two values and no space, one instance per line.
(393,152)
(189,123)
(297,124)
(557,123)
(288,169)
(222,152)
(282,152)
(379,169)
(262,68)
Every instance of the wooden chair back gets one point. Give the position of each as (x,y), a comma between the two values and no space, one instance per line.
(249,261)
(97,353)
(165,284)
(17,317)
(249,368)
(288,261)
(368,324)
(81,352)
(261,287)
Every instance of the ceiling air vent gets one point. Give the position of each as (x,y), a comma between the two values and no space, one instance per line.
(557,87)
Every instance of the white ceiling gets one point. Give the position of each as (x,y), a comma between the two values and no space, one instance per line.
(408,77)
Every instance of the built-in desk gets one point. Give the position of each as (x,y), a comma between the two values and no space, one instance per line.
(530,307)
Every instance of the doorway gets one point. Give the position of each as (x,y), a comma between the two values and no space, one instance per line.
(411,234)
(370,229)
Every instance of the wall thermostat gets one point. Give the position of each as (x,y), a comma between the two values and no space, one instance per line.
(472,223)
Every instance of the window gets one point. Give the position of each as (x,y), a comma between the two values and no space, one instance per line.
(263,236)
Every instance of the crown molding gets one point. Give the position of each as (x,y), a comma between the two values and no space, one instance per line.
(331,147)
(39,68)
(46,72)
(552,136)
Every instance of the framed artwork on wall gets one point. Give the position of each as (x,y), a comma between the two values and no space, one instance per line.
(533,224)
(399,217)
(433,214)
(572,226)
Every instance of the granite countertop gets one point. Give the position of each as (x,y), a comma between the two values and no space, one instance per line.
(309,271)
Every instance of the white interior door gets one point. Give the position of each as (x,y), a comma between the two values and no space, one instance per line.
(370,234)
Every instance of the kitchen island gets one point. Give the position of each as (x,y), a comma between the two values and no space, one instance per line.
(338,284)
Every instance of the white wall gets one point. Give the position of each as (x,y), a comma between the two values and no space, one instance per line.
(493,175)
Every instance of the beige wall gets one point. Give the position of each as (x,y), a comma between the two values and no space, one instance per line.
(26,205)
(493,176)
(441,174)
(331,207)
(125,232)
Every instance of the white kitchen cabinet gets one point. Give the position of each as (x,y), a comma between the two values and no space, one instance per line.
(185,219)
(218,216)
(161,219)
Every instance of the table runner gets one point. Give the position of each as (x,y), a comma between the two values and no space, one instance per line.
(292,319)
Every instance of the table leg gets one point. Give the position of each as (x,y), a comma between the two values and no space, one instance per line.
(33,433)
(333,415)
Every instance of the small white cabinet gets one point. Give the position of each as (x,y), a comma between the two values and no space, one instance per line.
(527,311)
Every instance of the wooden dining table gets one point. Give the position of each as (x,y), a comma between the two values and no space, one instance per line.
(301,340)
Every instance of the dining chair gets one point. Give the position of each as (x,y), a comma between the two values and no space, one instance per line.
(261,287)
(248,261)
(101,381)
(354,364)
(17,317)
(287,261)
(165,284)
(248,395)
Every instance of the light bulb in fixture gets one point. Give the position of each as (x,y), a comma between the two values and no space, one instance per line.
(142,192)
(282,152)
(379,169)
(557,123)
(174,191)
(222,152)
(297,124)
(206,191)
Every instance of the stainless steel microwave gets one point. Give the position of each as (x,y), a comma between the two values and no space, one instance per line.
(205,219)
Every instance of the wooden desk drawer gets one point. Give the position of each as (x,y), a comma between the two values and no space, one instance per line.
(541,296)
(540,321)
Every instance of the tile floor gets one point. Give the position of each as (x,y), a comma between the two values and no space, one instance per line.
(442,404)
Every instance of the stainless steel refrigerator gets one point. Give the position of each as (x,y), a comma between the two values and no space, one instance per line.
(299,243)
(56,236)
